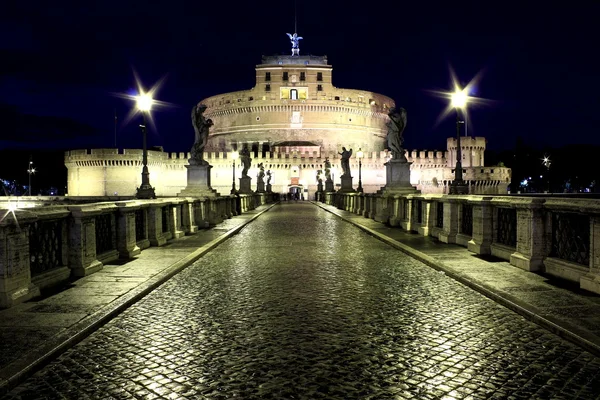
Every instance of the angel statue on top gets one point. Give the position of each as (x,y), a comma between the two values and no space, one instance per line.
(201,127)
(396,126)
(295,43)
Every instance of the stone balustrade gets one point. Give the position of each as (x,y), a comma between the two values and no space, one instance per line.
(43,246)
(558,236)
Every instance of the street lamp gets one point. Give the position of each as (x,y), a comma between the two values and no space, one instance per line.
(145,191)
(546,161)
(459,100)
(30,171)
(359,155)
(234,156)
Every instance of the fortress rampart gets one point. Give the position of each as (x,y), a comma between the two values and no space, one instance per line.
(104,172)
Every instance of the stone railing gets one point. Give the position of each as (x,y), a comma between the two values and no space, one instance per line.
(45,246)
(558,236)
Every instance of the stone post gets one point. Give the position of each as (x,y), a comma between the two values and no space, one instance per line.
(483,235)
(408,224)
(15,273)
(175,222)
(427,221)
(126,240)
(156,235)
(591,280)
(382,208)
(450,230)
(82,241)
(531,248)
(188,219)
(395,211)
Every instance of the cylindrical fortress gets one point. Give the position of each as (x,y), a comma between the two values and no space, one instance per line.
(291,121)
(294,102)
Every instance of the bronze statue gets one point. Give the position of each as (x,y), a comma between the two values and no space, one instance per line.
(201,128)
(246,161)
(295,39)
(396,126)
(268,177)
(346,154)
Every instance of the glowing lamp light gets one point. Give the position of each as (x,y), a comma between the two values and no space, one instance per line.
(235,155)
(144,102)
(359,153)
(459,99)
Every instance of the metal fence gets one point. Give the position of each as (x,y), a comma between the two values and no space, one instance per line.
(466,222)
(104,234)
(45,245)
(140,224)
(506,227)
(439,215)
(571,237)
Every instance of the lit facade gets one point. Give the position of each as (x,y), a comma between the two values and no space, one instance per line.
(291,121)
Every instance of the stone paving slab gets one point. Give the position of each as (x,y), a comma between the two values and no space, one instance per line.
(34,332)
(566,310)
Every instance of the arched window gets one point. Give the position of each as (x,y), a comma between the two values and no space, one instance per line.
(294,94)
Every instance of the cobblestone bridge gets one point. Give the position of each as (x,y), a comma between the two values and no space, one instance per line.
(302,305)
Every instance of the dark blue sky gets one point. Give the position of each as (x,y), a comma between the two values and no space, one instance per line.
(61,62)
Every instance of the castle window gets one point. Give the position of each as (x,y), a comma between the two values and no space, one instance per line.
(302,76)
(268,76)
(492,171)
(250,98)
(319,76)
(267,88)
(294,94)
(336,98)
(372,102)
(319,88)
(285,76)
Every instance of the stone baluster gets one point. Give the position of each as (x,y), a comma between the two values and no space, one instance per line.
(483,235)
(156,236)
(126,240)
(15,273)
(450,230)
(531,247)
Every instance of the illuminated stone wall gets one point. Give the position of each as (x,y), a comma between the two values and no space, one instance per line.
(104,172)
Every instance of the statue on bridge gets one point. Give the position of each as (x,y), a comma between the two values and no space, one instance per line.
(246,161)
(269,177)
(327,169)
(346,154)
(201,128)
(261,172)
(395,139)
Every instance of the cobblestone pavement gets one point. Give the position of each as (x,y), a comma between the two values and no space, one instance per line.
(302,305)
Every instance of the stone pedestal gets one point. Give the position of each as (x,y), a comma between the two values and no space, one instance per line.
(346,184)
(320,186)
(198,182)
(397,178)
(329,185)
(245,185)
(260,186)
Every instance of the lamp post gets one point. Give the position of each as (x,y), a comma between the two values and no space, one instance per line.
(30,171)
(459,102)
(546,161)
(234,156)
(359,155)
(145,191)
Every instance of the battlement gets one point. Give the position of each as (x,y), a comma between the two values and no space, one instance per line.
(292,60)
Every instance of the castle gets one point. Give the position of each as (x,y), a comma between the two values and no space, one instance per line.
(292,120)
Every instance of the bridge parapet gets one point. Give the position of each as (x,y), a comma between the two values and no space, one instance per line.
(550,234)
(47,243)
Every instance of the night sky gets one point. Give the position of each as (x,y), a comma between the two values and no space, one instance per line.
(61,64)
